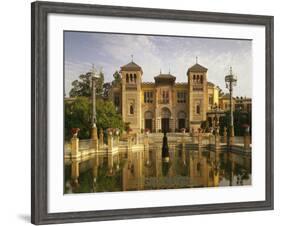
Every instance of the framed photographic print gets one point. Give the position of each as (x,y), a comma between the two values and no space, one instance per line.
(140,112)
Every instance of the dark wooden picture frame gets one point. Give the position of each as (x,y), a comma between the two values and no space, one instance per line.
(39,192)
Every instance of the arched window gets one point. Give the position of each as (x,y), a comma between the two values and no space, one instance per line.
(131,109)
(148,115)
(201,79)
(197,78)
(165,113)
(135,78)
(131,77)
(127,78)
(197,109)
(194,78)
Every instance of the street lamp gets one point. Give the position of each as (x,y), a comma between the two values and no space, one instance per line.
(230,82)
(94,77)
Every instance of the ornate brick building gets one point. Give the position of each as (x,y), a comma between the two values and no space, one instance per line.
(164,105)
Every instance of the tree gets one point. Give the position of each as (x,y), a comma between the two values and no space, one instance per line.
(106,90)
(107,116)
(99,83)
(117,77)
(239,120)
(78,115)
(82,87)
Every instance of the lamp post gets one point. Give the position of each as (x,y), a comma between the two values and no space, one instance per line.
(94,77)
(230,82)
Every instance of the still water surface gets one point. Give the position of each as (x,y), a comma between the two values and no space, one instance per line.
(146,170)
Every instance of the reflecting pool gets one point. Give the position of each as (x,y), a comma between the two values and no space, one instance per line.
(147,170)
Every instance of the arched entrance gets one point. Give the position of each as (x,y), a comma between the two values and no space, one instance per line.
(181,120)
(165,119)
(148,120)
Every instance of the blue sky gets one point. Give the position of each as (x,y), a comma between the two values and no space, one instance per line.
(175,54)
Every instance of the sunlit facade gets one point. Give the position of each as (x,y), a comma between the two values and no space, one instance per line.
(164,105)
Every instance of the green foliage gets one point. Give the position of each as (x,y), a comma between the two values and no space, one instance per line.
(78,115)
(239,120)
(85,182)
(106,90)
(117,77)
(82,87)
(224,121)
(78,112)
(107,116)
(99,84)
(106,182)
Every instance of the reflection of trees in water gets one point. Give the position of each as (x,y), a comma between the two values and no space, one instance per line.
(106,182)
(67,175)
(85,182)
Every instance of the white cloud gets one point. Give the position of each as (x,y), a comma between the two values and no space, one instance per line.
(153,53)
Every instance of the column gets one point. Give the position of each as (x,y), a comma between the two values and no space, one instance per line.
(75,147)
(158,124)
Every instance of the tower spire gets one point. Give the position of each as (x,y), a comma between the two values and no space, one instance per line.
(230,70)
(196,59)
(132,57)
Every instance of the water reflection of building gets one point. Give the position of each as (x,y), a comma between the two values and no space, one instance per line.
(187,168)
(165,104)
